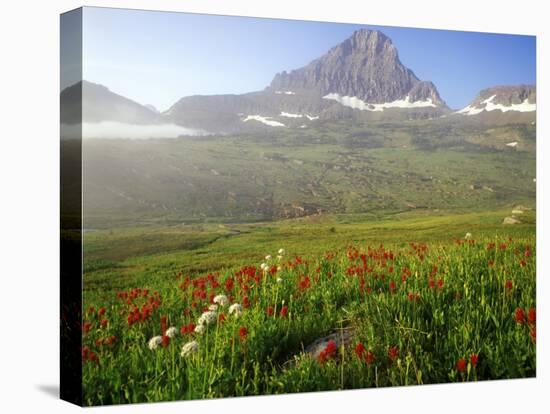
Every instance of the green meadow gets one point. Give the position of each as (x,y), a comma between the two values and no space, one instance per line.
(408,298)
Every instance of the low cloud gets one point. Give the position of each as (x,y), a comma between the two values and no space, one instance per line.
(116,130)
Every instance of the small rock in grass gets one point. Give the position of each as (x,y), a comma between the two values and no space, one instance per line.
(511,220)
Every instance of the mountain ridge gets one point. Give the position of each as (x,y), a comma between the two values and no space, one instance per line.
(360,79)
(503,103)
(99,103)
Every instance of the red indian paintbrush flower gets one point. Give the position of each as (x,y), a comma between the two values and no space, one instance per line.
(461,365)
(328,352)
(304,282)
(229,284)
(322,357)
(85,353)
(359,350)
(93,357)
(532,316)
(187,329)
(284,311)
(509,285)
(101,311)
(519,316)
(393,353)
(369,357)
(243,332)
(165,340)
(473,360)
(331,348)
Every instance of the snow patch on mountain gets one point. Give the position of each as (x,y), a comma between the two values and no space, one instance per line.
(285,93)
(289,115)
(470,110)
(525,106)
(356,103)
(264,120)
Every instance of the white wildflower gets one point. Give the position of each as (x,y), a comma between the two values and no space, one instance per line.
(236,308)
(154,342)
(268,257)
(200,329)
(171,332)
(208,317)
(281,251)
(213,307)
(189,348)
(280,257)
(221,300)
(468,236)
(279,280)
(263,266)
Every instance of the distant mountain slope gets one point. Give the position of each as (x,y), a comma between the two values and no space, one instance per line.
(100,104)
(338,167)
(504,104)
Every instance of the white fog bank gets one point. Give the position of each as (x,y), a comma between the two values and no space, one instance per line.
(112,130)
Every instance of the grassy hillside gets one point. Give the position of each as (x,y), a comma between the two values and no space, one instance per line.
(332,168)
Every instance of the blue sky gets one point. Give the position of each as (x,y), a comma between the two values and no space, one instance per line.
(158,57)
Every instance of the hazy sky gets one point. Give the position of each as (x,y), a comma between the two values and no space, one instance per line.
(158,57)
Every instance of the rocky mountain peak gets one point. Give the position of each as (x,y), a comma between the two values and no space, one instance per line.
(365,66)
(372,42)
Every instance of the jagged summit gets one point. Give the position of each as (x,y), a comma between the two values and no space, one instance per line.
(365,66)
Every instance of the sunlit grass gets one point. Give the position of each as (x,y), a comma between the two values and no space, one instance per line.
(426,312)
